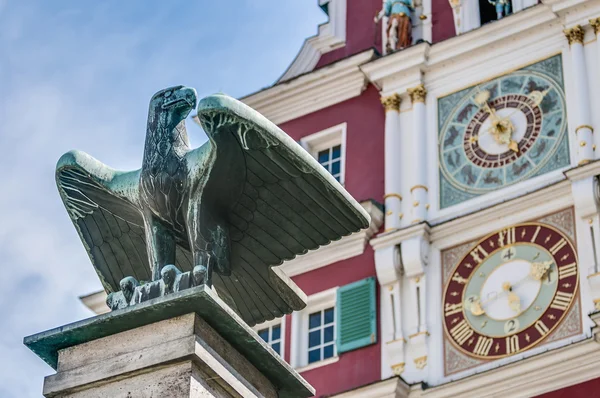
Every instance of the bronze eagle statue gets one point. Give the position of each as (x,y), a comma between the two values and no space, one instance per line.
(247,200)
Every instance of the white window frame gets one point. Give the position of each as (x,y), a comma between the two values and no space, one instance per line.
(299,344)
(269,324)
(325,139)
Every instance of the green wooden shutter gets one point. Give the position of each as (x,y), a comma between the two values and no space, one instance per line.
(356,315)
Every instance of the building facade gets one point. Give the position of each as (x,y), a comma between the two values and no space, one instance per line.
(473,149)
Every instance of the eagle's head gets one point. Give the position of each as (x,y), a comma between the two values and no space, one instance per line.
(177,101)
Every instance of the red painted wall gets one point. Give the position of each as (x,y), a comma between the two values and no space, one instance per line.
(361,32)
(442,20)
(355,368)
(584,390)
(364,179)
(365,120)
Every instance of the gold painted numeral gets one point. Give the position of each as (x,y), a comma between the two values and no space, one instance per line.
(535,234)
(557,246)
(561,301)
(512,344)
(452,309)
(567,270)
(461,332)
(457,278)
(506,237)
(483,346)
(477,252)
(541,328)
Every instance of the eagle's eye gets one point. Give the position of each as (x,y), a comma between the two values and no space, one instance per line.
(167,94)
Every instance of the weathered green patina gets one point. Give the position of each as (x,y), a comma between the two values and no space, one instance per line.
(244,202)
(200,300)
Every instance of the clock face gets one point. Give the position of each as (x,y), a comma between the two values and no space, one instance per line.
(502,131)
(510,291)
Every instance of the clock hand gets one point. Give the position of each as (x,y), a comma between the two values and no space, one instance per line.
(514,302)
(501,128)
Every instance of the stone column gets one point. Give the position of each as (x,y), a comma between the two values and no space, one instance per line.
(185,345)
(418,189)
(582,115)
(392,197)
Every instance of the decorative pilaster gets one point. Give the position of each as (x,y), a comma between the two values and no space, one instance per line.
(392,197)
(582,115)
(595,24)
(415,257)
(387,266)
(419,190)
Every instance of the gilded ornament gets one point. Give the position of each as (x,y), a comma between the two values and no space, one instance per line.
(419,186)
(412,336)
(391,103)
(575,34)
(392,195)
(584,126)
(422,17)
(389,213)
(595,24)
(421,362)
(582,143)
(597,304)
(417,94)
(398,368)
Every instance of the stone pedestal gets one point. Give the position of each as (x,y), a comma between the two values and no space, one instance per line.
(187,344)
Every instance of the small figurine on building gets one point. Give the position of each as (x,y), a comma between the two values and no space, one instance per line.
(399,29)
(502,7)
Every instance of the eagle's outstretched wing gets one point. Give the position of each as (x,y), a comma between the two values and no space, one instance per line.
(102,204)
(285,204)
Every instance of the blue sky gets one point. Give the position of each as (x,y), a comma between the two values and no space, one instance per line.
(79,74)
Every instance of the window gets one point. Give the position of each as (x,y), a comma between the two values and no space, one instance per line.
(334,321)
(272,335)
(328,147)
(321,335)
(331,159)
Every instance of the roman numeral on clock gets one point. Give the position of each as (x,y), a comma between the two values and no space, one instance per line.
(561,301)
(461,332)
(557,246)
(452,309)
(477,252)
(535,234)
(541,328)
(506,237)
(483,346)
(512,344)
(567,270)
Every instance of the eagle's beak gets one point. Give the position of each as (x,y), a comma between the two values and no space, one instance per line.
(185,95)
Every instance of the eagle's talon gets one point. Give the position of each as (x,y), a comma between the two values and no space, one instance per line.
(199,275)
(128,285)
(169,274)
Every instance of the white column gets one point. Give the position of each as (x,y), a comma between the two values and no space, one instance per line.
(595,23)
(392,197)
(419,189)
(582,114)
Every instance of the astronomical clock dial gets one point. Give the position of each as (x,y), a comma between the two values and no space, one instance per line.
(510,291)
(501,132)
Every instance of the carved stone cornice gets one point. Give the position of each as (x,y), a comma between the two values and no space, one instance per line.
(391,102)
(595,24)
(575,34)
(417,94)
